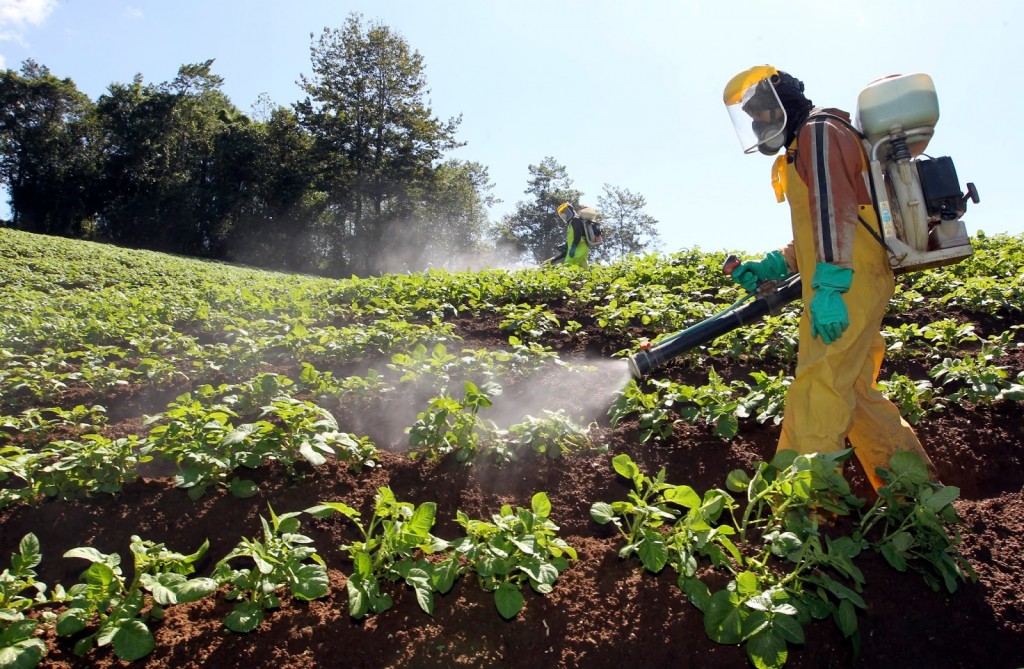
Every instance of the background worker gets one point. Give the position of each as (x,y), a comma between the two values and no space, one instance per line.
(847,280)
(580,233)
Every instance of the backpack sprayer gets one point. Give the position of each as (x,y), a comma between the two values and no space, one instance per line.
(918,200)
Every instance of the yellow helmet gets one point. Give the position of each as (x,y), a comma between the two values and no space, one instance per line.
(755,109)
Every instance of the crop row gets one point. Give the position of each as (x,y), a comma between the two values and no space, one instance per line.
(201,434)
(90,316)
(514,549)
(785,570)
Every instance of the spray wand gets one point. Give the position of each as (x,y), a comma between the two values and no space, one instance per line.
(770,296)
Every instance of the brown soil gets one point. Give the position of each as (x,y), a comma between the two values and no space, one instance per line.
(604,611)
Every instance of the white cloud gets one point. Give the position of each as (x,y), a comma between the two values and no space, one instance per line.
(16,15)
(132,12)
(20,13)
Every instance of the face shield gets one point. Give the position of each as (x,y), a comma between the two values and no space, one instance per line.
(756,111)
(565,212)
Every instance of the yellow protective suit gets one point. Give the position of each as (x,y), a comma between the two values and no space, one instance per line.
(833,395)
(576,243)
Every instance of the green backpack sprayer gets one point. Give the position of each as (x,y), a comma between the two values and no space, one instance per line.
(918,199)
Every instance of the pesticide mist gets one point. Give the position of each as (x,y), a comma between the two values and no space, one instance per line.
(582,392)
(603,379)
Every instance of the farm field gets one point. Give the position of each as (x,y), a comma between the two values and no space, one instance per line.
(257,442)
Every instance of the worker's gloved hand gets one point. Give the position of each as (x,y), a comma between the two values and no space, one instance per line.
(829,317)
(753,272)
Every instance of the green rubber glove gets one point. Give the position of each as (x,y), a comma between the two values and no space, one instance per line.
(829,317)
(753,272)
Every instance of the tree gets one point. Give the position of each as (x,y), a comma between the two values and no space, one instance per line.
(534,228)
(447,228)
(47,151)
(159,147)
(626,228)
(274,222)
(376,141)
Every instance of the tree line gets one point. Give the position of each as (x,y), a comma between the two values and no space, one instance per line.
(355,178)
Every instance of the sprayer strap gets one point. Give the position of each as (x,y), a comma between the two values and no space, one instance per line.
(876,235)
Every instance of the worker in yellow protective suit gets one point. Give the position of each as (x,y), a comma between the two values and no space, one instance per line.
(847,280)
(581,232)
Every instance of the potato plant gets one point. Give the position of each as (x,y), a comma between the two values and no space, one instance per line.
(786,568)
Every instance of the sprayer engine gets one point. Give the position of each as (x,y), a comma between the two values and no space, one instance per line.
(920,204)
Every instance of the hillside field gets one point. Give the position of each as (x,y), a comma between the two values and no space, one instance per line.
(483,428)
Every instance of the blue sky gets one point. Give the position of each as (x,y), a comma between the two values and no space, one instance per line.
(623,93)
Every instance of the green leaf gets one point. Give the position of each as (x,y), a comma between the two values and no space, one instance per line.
(697,592)
(842,592)
(747,583)
(754,621)
(909,465)
(652,551)
(363,564)
(541,505)
(788,628)
(71,622)
(723,618)
(423,519)
(17,630)
(542,573)
(325,509)
(238,435)
(941,498)
(893,556)
(683,495)
(816,607)
(625,466)
(727,426)
(312,456)
(381,602)
(86,553)
(737,480)
(509,600)
(424,594)
(194,589)
(161,586)
(445,573)
(358,600)
(310,582)
(243,488)
(29,553)
(846,618)
(133,640)
(188,477)
(23,654)
(766,651)
(102,581)
(245,617)
(602,513)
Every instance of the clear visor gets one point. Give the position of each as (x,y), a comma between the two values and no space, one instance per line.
(565,212)
(759,118)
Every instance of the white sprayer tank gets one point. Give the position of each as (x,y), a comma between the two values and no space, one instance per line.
(901,101)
